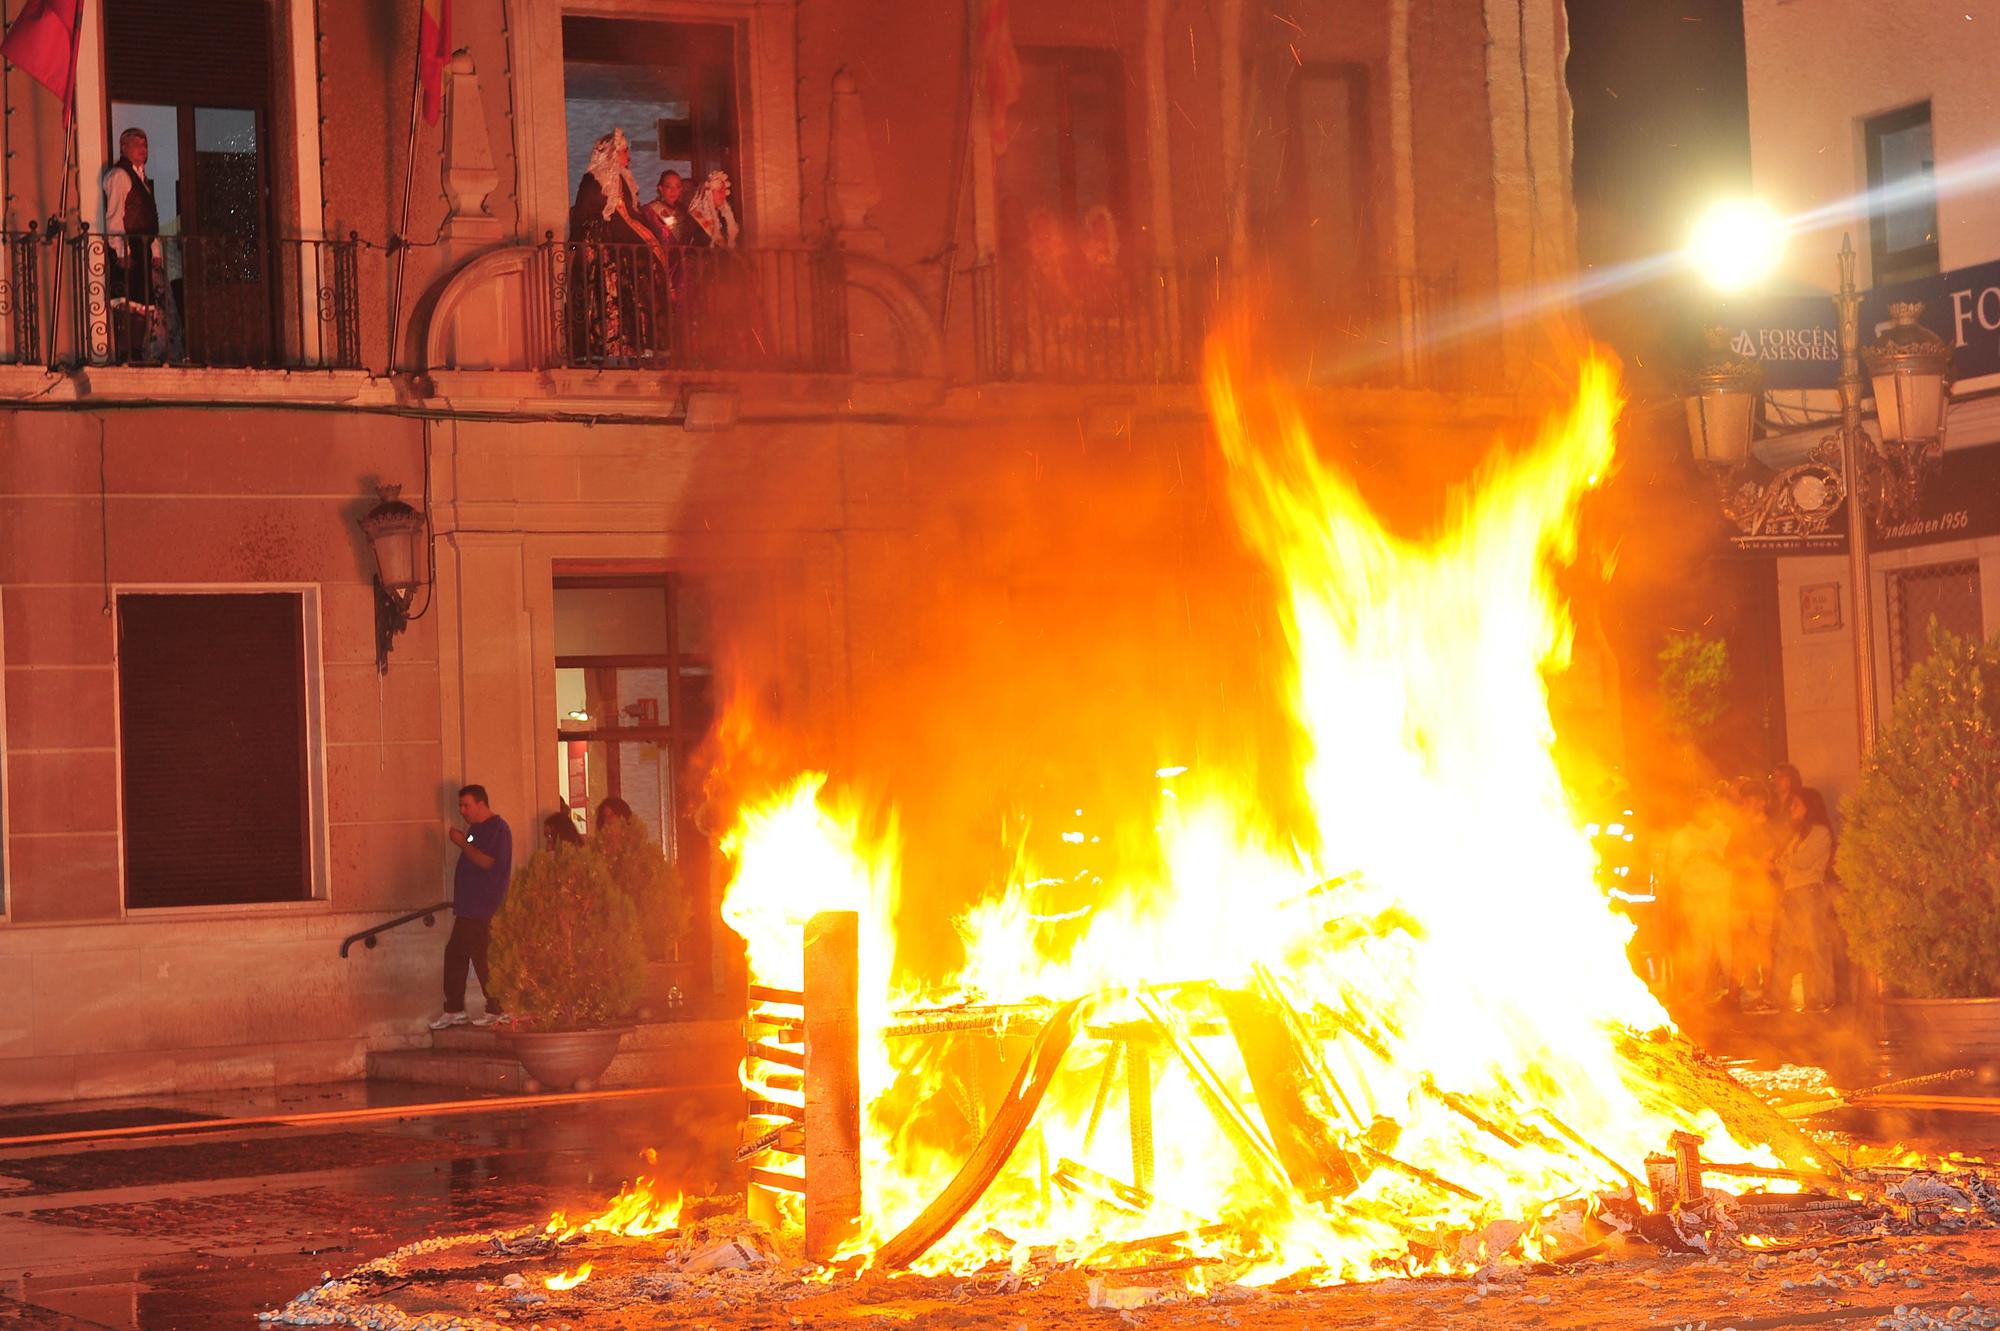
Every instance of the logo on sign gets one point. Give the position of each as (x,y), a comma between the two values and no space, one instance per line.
(1786,344)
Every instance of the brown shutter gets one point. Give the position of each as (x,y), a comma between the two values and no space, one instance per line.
(212,716)
(188,52)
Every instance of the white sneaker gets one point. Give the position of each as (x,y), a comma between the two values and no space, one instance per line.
(486,1019)
(447,1020)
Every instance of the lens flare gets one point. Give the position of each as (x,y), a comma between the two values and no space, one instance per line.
(1737,243)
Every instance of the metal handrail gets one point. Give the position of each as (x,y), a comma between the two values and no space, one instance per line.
(366,937)
(1089,323)
(220,300)
(622,305)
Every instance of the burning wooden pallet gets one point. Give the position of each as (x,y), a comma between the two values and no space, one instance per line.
(1299,1130)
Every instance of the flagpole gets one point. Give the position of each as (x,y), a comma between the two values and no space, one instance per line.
(402,238)
(59,226)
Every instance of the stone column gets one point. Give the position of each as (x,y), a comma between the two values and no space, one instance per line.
(1534,223)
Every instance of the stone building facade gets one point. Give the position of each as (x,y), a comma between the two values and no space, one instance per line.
(782,450)
(1871,122)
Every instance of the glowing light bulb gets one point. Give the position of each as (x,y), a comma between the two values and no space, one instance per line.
(1737,243)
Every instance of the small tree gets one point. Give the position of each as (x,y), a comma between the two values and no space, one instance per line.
(1920,854)
(1694,672)
(567,951)
(640,869)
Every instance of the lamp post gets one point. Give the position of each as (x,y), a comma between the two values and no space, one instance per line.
(1847,309)
(1911,369)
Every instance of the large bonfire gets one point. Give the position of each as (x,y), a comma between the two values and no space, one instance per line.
(1381,1044)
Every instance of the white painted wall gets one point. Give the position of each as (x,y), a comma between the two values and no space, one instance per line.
(1819,68)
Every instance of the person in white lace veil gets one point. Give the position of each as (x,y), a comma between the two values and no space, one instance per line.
(711,209)
(607,198)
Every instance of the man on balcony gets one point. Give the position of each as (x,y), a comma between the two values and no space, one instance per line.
(134,279)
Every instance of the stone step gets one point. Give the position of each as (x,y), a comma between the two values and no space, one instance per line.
(676,1054)
(690,1035)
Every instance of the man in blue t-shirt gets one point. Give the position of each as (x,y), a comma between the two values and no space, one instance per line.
(479,886)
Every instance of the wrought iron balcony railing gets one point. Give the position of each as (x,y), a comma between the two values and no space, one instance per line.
(1398,330)
(628,305)
(1147,324)
(1088,323)
(24,294)
(214,301)
(207,301)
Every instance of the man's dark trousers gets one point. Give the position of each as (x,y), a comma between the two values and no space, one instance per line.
(467,945)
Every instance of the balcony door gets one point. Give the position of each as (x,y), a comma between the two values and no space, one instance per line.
(197,80)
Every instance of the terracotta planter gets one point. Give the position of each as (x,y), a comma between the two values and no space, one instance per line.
(567,1060)
(1932,1034)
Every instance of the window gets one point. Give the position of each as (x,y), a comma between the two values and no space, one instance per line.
(1902,199)
(1065,157)
(670,86)
(198,79)
(634,695)
(1947,593)
(213,743)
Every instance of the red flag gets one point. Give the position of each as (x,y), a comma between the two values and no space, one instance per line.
(1002,70)
(42,45)
(433,54)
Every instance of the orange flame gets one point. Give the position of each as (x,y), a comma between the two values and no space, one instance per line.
(1435,940)
(638,1211)
(568,1279)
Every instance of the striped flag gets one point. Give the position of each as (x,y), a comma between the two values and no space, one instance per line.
(42,44)
(1001,69)
(433,54)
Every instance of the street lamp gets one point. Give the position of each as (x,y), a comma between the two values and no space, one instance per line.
(398,537)
(1910,367)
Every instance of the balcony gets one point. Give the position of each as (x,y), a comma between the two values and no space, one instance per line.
(1095,325)
(1147,325)
(219,301)
(618,306)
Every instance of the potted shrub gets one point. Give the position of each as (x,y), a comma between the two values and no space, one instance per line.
(1919,857)
(640,869)
(569,963)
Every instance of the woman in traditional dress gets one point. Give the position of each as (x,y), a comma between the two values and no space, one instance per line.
(724,304)
(710,207)
(613,280)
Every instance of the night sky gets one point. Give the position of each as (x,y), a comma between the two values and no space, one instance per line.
(1662,119)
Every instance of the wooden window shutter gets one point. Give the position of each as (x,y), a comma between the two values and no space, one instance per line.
(212,716)
(172,52)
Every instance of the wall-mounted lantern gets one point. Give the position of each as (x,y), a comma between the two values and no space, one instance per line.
(399,538)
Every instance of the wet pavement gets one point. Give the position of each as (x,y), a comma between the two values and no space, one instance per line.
(206,1229)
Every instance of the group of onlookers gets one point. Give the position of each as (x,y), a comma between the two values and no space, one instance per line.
(1750,876)
(633,287)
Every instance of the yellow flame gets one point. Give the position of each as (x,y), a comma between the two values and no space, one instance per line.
(568,1279)
(1436,937)
(640,1210)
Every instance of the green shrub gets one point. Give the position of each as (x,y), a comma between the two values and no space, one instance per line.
(640,869)
(1694,673)
(1920,853)
(567,951)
